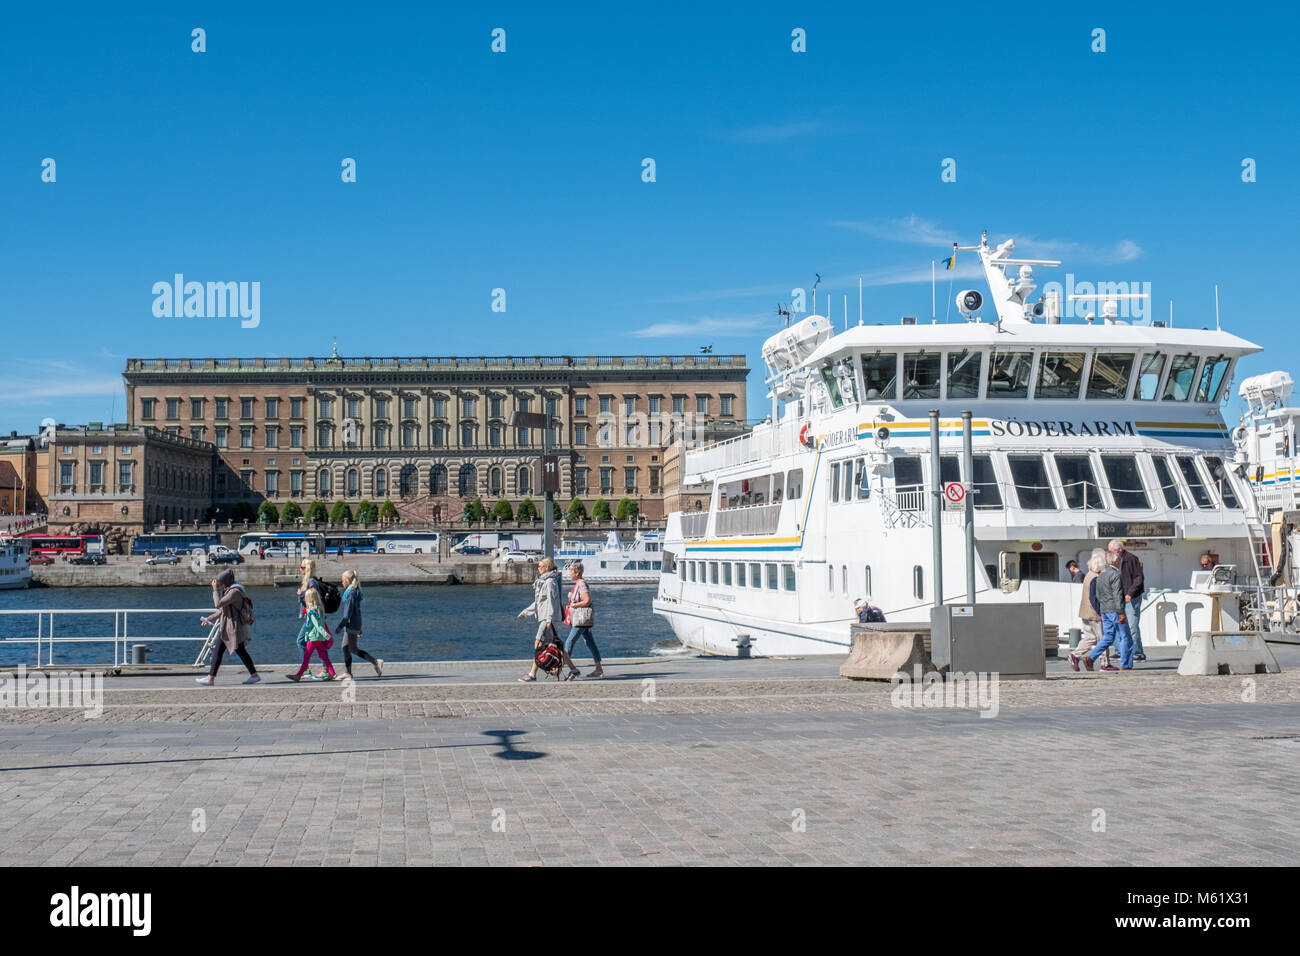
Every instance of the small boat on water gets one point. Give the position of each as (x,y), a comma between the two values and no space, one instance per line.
(15,571)
(612,561)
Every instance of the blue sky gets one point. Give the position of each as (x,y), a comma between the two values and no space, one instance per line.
(522,171)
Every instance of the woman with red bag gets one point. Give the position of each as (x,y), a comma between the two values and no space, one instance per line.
(580,616)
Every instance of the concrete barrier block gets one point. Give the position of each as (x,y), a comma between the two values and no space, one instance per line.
(880,654)
(1227,652)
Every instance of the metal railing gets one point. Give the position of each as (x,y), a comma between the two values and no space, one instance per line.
(755,519)
(771,442)
(46,636)
(695,524)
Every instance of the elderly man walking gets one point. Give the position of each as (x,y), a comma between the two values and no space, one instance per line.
(1110,605)
(1131,580)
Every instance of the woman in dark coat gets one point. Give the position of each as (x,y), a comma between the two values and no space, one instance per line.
(229,598)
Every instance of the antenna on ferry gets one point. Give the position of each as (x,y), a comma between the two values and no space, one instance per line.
(815,285)
(1216,307)
(1171,313)
(784,312)
(859,300)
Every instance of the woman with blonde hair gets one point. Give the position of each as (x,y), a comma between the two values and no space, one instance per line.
(349,625)
(314,638)
(1088,611)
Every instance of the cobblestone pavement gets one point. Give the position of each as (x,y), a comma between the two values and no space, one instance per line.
(745,762)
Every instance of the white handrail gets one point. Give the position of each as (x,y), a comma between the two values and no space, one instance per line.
(45,620)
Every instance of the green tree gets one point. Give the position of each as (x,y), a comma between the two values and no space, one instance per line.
(474,511)
(267,513)
(626,510)
(555,510)
(292,511)
(316,511)
(600,510)
(367,510)
(502,511)
(388,510)
(340,513)
(527,510)
(577,510)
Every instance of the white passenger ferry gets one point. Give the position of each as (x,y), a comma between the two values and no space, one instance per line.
(613,562)
(15,571)
(1082,432)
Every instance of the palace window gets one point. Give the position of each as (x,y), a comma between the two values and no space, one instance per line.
(223,408)
(580,405)
(438,480)
(245,408)
(272,408)
(295,407)
(272,436)
(295,484)
(147,406)
(325,407)
(323,485)
(381,481)
(196,408)
(381,408)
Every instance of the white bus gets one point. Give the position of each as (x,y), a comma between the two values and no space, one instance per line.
(406,542)
(288,542)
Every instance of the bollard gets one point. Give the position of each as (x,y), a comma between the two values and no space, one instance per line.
(138,652)
(1075,634)
(742,645)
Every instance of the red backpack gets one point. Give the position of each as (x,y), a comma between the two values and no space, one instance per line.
(548,656)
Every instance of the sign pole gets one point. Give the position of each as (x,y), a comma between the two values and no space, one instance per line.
(548,519)
(936,508)
(967,464)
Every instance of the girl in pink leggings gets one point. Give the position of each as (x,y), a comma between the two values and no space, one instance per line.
(315,636)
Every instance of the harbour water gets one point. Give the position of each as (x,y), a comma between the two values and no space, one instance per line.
(402,623)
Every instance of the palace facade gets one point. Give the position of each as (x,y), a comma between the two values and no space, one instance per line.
(432,433)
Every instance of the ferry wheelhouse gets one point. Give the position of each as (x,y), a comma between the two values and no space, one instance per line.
(1083,432)
(15,572)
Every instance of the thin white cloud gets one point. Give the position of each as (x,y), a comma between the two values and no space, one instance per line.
(17,390)
(708,295)
(773,132)
(914,230)
(704,326)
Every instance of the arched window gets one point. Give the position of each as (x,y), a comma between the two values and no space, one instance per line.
(323,485)
(494,481)
(354,483)
(525,480)
(407,479)
(381,482)
(438,480)
(467,483)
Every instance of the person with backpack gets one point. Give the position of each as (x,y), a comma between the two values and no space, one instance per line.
(349,626)
(580,616)
(549,611)
(315,637)
(234,614)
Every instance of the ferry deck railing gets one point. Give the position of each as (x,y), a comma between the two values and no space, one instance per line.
(763,444)
(47,637)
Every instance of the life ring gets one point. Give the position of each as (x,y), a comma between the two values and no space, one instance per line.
(804,438)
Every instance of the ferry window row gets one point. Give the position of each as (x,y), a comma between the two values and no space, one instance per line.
(1039,374)
(741,574)
(761,490)
(1068,480)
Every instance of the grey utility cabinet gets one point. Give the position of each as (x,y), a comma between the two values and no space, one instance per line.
(1002,638)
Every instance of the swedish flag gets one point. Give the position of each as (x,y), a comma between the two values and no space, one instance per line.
(706,349)
(950,262)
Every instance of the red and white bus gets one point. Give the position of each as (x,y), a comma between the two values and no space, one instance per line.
(73,544)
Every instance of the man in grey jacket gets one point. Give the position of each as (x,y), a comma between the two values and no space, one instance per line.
(548,608)
(1114,625)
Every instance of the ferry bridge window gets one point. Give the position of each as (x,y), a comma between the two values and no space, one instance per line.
(1168,484)
(1219,475)
(1059,375)
(880,375)
(921,375)
(1029,475)
(1110,374)
(860,479)
(1009,374)
(1200,494)
(1149,376)
(949,469)
(965,369)
(1125,482)
(1079,482)
(1182,373)
(984,484)
(840,383)
(908,483)
(1211,379)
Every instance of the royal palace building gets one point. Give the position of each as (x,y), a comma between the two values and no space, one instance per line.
(432,433)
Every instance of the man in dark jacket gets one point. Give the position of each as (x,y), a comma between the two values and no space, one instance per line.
(1131,580)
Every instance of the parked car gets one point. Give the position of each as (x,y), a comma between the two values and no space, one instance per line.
(89,559)
(517,557)
(225,557)
(468,549)
(164,559)
(276,551)
(40,559)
